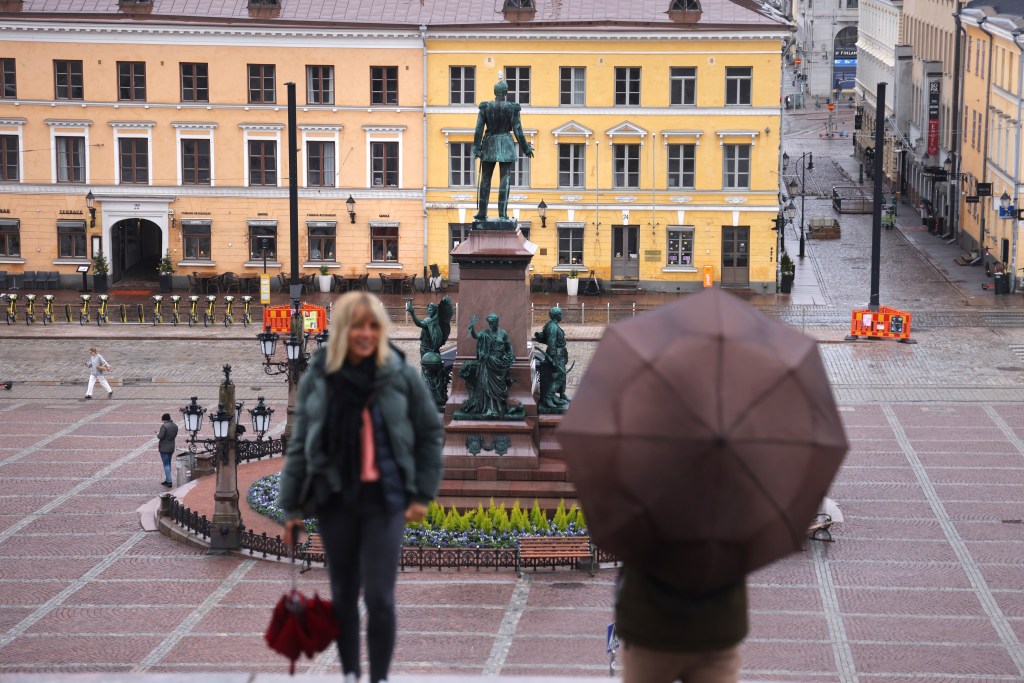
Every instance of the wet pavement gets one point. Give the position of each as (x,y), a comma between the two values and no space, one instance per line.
(921,584)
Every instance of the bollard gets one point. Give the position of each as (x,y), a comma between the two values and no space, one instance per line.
(583,313)
(609,309)
(634,309)
(67,311)
(862,173)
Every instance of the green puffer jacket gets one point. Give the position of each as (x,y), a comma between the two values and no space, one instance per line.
(410,417)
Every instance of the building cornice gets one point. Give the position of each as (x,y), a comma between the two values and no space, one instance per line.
(619,112)
(160,192)
(620,34)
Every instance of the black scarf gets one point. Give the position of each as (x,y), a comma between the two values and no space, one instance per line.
(351,390)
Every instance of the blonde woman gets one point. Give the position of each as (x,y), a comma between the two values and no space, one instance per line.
(364,457)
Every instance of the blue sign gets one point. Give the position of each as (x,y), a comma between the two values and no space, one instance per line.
(612,643)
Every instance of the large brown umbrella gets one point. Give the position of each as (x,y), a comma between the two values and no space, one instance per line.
(702,440)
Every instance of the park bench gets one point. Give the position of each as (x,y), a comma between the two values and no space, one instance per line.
(541,551)
(312,551)
(821,528)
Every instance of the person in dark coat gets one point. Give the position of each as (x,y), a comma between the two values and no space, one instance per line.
(365,458)
(167,434)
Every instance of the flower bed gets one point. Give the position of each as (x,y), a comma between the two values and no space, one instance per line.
(491,527)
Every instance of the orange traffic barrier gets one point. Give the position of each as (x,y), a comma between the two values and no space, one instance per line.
(279,318)
(885,323)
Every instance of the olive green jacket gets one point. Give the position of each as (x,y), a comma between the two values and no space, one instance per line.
(410,417)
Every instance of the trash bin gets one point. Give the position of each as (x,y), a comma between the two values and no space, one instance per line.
(1002,283)
(182,469)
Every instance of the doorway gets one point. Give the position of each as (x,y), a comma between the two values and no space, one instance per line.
(135,252)
(735,256)
(626,252)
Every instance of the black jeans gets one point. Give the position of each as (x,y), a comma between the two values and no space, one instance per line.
(363,543)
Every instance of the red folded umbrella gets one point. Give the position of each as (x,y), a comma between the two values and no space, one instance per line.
(300,624)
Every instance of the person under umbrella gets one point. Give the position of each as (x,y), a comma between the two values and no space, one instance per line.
(701,441)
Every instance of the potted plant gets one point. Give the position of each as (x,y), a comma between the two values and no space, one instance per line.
(572,282)
(100,269)
(166,268)
(325,278)
(787,270)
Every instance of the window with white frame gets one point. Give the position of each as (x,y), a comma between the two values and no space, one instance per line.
(570,245)
(520,172)
(262,233)
(195,161)
(319,84)
(195,82)
(384,164)
(71,239)
(518,79)
(195,238)
(70,151)
(319,163)
(133,161)
(679,249)
(572,85)
(462,84)
(571,165)
(69,84)
(736,167)
(383,243)
(738,84)
(626,166)
(262,84)
(383,85)
(461,169)
(322,235)
(10,237)
(683,85)
(8,79)
(682,165)
(131,81)
(627,86)
(263,162)
(9,172)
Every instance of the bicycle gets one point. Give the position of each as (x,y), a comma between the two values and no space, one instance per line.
(48,315)
(193,310)
(30,309)
(101,313)
(210,318)
(246,313)
(84,315)
(228,318)
(157,317)
(12,308)
(175,316)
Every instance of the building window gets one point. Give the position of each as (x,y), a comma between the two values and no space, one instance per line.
(461,169)
(736,167)
(680,247)
(518,79)
(319,85)
(195,82)
(520,172)
(570,246)
(682,166)
(70,159)
(134,160)
(524,229)
(69,84)
(738,82)
(627,86)
(573,85)
(384,164)
(462,84)
(8,80)
(262,84)
(626,172)
(9,158)
(262,232)
(10,238)
(571,158)
(131,81)
(195,162)
(71,239)
(321,241)
(319,164)
(263,162)
(383,243)
(384,85)
(195,236)
(683,85)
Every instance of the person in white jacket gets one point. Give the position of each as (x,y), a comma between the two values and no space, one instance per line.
(97,365)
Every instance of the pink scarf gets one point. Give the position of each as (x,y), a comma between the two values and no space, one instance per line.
(368,455)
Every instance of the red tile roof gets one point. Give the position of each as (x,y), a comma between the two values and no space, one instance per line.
(551,14)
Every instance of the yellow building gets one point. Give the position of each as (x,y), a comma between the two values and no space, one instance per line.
(993,76)
(657,137)
(656,143)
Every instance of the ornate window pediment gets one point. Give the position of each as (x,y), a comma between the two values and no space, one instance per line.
(626,129)
(572,129)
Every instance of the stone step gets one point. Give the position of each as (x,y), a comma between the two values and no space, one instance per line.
(547,470)
(508,489)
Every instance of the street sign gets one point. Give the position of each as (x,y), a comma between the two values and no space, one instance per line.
(984,189)
(265,289)
(971,199)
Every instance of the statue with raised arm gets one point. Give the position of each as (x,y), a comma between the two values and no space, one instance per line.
(553,368)
(487,377)
(493,143)
(434,331)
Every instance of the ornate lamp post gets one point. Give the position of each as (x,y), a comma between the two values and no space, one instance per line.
(804,167)
(292,368)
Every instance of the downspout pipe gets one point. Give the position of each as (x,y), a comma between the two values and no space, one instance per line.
(954,139)
(423,144)
(1016,164)
(984,149)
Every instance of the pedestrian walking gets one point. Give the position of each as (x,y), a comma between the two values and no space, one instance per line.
(97,366)
(364,458)
(167,434)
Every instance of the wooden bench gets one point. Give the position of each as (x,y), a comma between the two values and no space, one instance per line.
(537,551)
(821,528)
(312,551)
